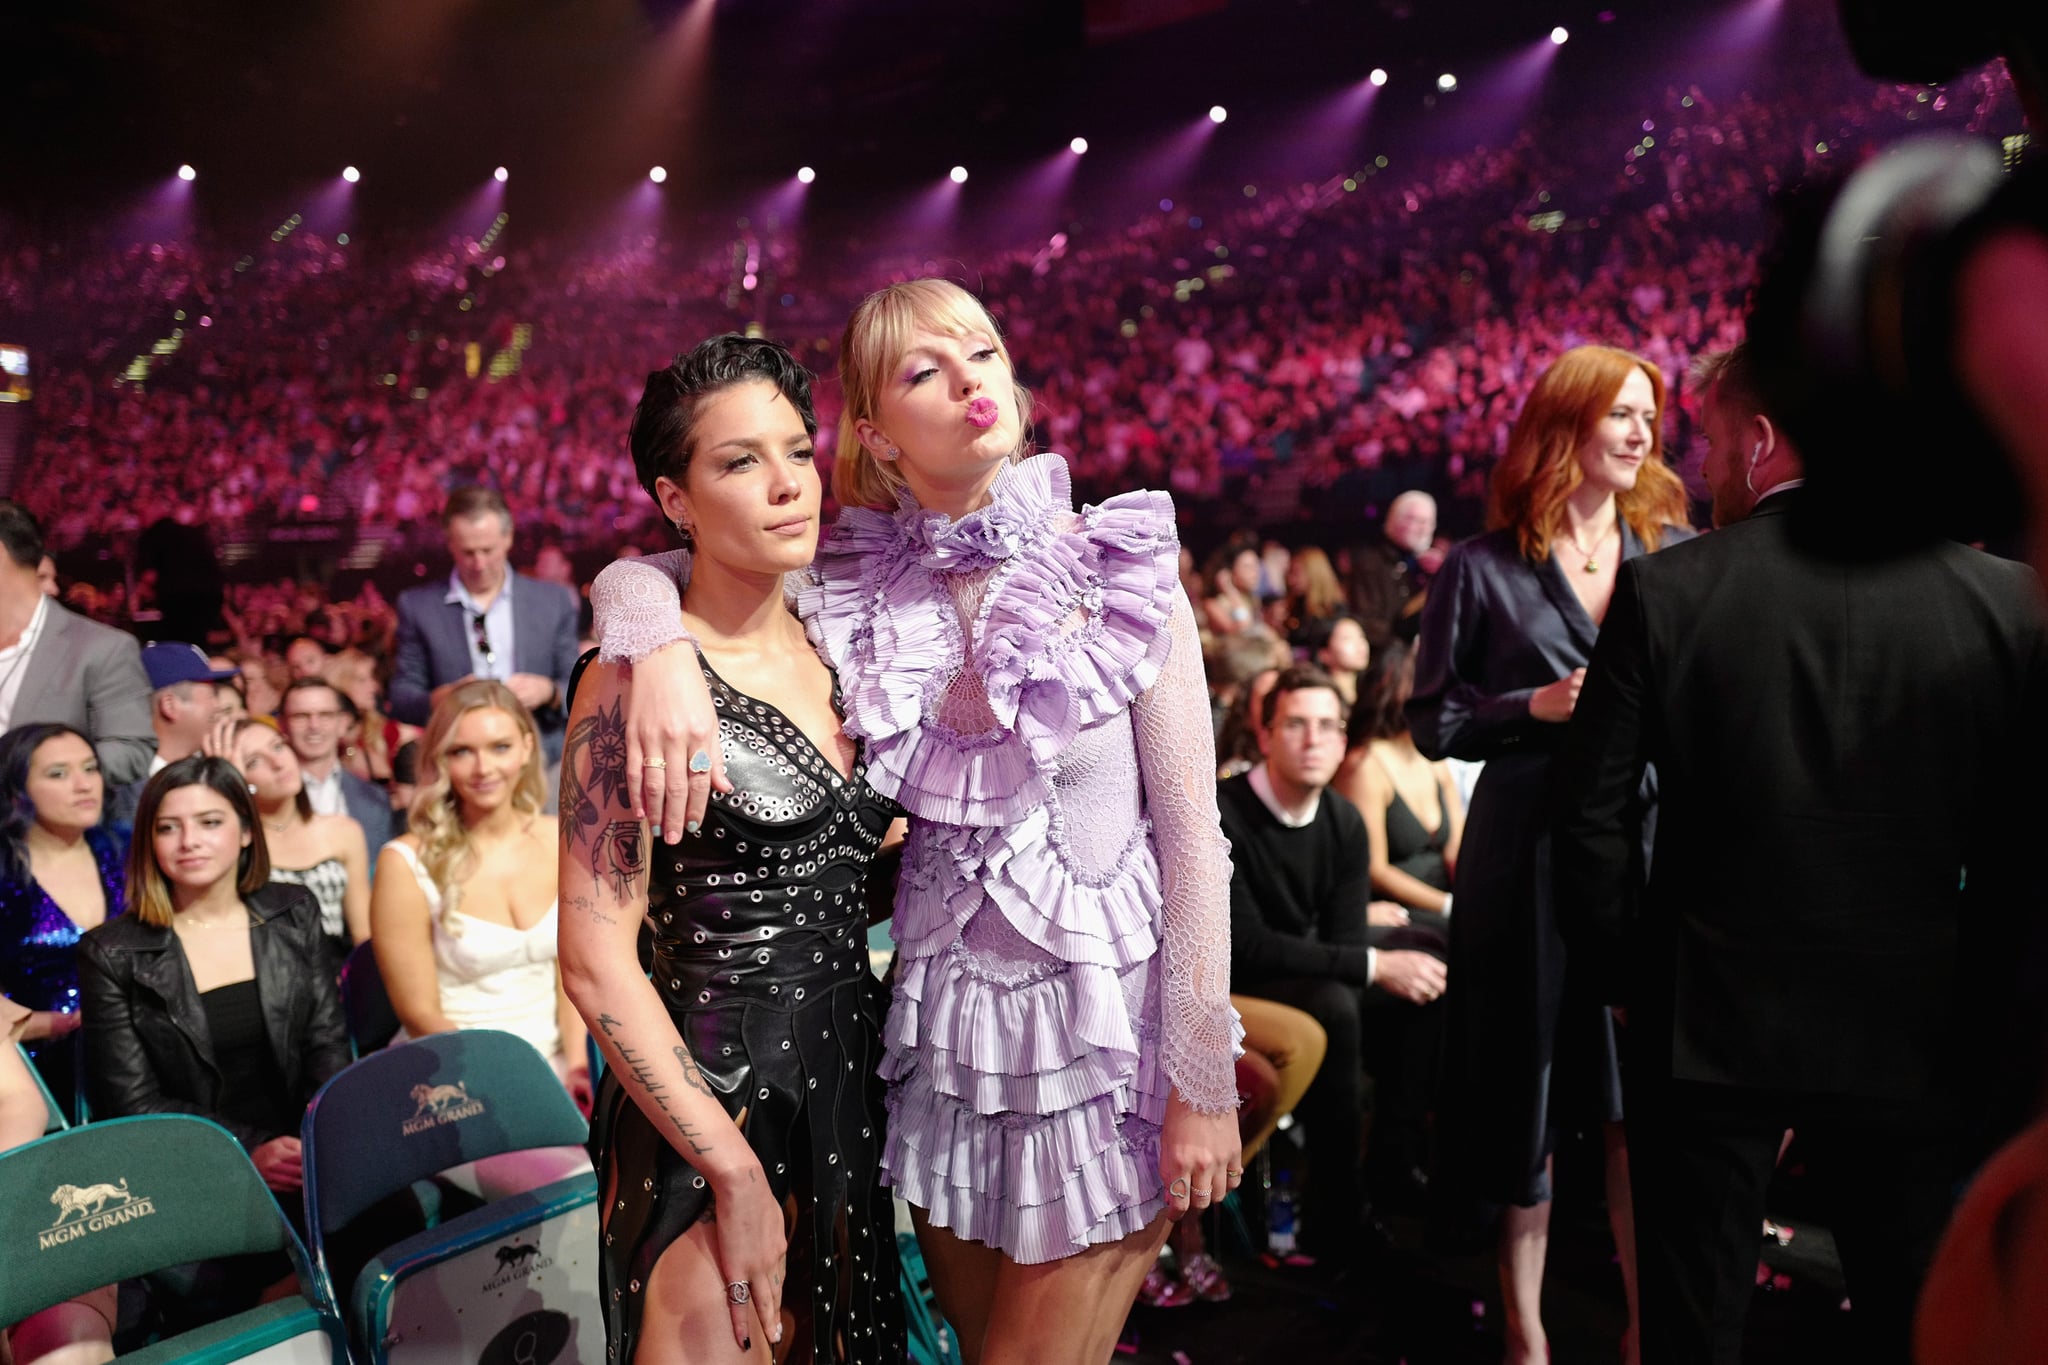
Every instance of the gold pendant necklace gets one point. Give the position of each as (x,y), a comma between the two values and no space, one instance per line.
(1592,565)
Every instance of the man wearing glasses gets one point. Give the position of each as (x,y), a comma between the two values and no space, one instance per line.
(312,716)
(487,622)
(1304,931)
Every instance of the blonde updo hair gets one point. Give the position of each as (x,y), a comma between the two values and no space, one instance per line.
(876,340)
(436,815)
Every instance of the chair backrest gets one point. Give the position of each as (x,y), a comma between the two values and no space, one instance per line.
(420,1107)
(372,1022)
(113,1200)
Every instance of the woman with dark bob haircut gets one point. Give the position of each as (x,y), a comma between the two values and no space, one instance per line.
(209,937)
(744,1072)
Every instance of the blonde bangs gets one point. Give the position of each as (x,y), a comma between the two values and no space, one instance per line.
(877,337)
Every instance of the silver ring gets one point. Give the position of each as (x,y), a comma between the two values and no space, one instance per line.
(700,762)
(1203,1195)
(654,763)
(1179,1188)
(739,1292)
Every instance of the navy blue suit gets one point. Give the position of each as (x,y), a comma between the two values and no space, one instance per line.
(433,649)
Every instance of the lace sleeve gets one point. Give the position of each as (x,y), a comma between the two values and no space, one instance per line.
(1177,754)
(637,606)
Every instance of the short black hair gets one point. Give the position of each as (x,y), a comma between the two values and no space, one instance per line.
(1302,678)
(342,703)
(664,422)
(20,535)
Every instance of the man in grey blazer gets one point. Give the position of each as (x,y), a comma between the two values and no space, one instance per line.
(55,665)
(486,622)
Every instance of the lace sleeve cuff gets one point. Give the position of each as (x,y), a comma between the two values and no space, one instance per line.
(637,606)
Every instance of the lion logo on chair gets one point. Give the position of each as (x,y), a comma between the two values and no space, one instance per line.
(87,1201)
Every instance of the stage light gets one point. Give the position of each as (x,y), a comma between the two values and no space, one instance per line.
(1079,146)
(1447,82)
(187,173)
(1559,34)
(351,174)
(1378,76)
(1217,113)
(658,175)
(805,175)
(958,175)
(501,175)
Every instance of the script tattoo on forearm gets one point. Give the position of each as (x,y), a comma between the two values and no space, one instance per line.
(636,1066)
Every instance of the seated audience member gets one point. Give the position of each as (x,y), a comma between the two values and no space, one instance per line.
(1283,1048)
(1414,817)
(184,711)
(60,667)
(1240,740)
(80,1331)
(325,854)
(464,914)
(1230,592)
(1304,933)
(1314,596)
(61,874)
(311,714)
(1390,573)
(306,658)
(368,755)
(1231,663)
(1339,647)
(210,937)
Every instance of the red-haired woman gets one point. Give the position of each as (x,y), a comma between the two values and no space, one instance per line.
(1509,626)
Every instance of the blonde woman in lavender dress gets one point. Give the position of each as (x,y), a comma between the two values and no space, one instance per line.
(1027,683)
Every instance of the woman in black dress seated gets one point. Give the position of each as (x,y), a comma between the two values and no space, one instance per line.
(1413,816)
(744,1071)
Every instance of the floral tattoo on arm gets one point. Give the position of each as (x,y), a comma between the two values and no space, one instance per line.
(594,787)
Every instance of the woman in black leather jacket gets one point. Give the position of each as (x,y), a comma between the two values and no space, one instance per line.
(209,997)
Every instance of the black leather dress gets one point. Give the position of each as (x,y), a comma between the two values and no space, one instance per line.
(759,950)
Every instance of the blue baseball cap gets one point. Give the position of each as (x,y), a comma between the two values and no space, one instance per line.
(168,663)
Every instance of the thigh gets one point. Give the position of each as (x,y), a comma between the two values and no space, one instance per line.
(1071,1309)
(1700,1162)
(685,1319)
(963,1276)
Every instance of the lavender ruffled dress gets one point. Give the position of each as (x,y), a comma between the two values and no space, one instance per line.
(1027,684)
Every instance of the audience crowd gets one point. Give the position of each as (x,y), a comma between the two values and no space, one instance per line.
(1324,375)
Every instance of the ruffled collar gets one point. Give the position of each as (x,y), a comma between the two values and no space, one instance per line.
(1022,503)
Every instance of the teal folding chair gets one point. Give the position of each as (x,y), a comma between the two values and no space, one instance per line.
(513,1280)
(133,1196)
(930,1341)
(365,1005)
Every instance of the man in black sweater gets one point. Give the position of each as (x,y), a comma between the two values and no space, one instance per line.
(1305,931)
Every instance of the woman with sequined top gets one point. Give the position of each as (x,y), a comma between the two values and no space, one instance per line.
(744,1053)
(62,872)
(1027,683)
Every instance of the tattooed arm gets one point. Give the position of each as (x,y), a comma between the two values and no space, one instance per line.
(603,898)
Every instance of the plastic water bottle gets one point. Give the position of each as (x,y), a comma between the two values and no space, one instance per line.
(1280,1216)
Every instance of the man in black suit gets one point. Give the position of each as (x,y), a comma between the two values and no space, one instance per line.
(1845,752)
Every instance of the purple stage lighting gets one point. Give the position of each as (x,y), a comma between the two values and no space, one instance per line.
(805,175)
(1079,146)
(501,175)
(1378,76)
(1217,113)
(1560,35)
(351,174)
(187,173)
(659,175)
(958,175)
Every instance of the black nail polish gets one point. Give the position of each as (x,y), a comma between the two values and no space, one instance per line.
(746,1343)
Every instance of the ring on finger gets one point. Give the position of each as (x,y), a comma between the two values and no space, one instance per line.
(739,1291)
(654,763)
(1179,1188)
(700,762)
